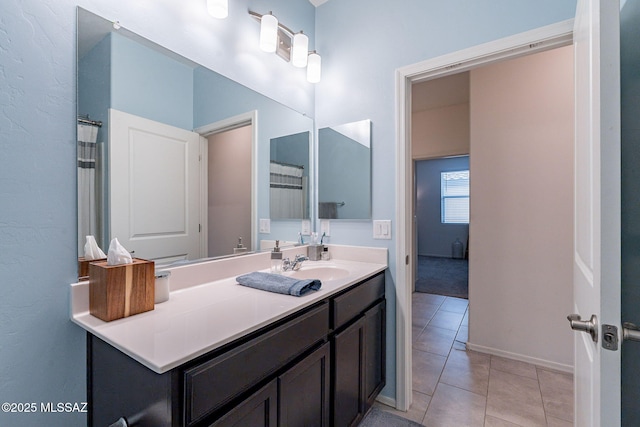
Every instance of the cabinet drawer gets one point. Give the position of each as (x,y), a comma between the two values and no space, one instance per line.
(213,383)
(353,302)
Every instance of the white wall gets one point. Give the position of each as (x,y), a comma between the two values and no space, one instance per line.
(520,261)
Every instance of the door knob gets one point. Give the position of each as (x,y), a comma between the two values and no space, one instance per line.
(590,326)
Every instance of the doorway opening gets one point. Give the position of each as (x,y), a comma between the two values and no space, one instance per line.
(442,226)
(524,44)
(228,178)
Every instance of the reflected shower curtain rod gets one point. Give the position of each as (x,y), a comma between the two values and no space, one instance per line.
(88,121)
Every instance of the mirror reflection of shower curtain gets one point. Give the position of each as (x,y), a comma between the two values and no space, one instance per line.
(87,137)
(287,191)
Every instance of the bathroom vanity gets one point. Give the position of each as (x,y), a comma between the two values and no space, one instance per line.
(220,354)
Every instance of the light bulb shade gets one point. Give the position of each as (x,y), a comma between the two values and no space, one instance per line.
(300,50)
(268,33)
(218,8)
(314,67)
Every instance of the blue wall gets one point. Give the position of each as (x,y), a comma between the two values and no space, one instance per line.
(630,102)
(149,84)
(344,174)
(434,237)
(42,352)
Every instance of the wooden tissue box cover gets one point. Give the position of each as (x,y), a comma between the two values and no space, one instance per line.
(117,291)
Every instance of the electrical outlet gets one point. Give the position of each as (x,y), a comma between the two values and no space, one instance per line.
(325,228)
(306,227)
(382,229)
(265,225)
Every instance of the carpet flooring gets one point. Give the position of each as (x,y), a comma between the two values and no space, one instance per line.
(443,276)
(379,418)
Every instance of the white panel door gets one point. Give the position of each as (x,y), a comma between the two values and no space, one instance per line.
(154,188)
(597,208)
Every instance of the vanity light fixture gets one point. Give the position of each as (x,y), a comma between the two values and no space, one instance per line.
(269,33)
(290,46)
(218,8)
(314,67)
(300,50)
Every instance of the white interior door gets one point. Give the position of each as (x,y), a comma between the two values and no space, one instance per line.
(597,208)
(154,188)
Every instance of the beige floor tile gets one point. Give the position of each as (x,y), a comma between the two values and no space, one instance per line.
(514,367)
(490,421)
(515,398)
(465,319)
(428,298)
(435,340)
(446,320)
(557,394)
(453,407)
(468,370)
(463,334)
(456,305)
(555,422)
(422,313)
(427,368)
(419,405)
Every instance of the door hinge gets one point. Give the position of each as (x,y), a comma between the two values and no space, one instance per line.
(406,261)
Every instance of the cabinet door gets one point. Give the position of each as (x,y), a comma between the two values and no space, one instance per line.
(258,410)
(348,375)
(304,391)
(375,351)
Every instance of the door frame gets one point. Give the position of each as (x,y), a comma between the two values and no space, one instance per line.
(249,118)
(533,41)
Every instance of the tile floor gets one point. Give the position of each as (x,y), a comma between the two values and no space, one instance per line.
(453,386)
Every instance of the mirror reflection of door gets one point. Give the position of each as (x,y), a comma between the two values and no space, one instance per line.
(229,190)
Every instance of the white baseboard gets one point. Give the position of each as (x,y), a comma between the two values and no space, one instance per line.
(522,358)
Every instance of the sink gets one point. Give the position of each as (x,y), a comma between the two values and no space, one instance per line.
(319,272)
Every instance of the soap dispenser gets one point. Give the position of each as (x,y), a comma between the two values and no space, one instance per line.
(240,248)
(276,259)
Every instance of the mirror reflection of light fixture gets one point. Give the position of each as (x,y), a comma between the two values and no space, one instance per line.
(290,46)
(314,67)
(269,33)
(218,8)
(300,50)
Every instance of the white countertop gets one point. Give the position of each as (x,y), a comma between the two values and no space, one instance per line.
(201,317)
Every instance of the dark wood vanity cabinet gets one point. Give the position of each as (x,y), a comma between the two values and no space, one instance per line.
(322,366)
(358,350)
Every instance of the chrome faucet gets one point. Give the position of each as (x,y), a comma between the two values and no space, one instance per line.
(289,265)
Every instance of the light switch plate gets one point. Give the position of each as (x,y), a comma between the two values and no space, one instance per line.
(265,225)
(306,227)
(382,229)
(325,228)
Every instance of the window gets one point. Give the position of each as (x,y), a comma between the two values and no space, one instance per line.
(455,197)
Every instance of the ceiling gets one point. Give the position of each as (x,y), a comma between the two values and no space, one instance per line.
(317,3)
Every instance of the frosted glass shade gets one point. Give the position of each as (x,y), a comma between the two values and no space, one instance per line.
(300,50)
(218,8)
(314,68)
(268,33)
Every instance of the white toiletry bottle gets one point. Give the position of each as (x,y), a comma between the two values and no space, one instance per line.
(276,259)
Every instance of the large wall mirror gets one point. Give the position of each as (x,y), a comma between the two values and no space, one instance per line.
(344,171)
(173,158)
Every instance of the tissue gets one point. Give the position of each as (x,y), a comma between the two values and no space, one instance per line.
(118,255)
(91,249)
